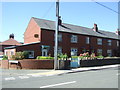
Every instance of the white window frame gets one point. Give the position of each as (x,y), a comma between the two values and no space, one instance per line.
(99,51)
(74,51)
(60,37)
(87,40)
(99,41)
(109,42)
(74,39)
(109,52)
(6,53)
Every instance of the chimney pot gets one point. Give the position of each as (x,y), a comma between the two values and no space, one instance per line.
(95,28)
(11,36)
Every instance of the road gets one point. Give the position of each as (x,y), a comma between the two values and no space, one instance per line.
(105,78)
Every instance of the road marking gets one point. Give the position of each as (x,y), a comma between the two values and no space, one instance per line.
(58,84)
(10,78)
(37,76)
(23,77)
(50,75)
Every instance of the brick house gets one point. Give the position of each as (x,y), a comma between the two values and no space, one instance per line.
(10,42)
(73,40)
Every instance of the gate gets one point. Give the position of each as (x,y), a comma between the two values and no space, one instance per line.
(75,62)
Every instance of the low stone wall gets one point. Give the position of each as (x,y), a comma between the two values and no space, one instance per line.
(99,62)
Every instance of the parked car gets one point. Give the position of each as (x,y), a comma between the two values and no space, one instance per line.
(1,57)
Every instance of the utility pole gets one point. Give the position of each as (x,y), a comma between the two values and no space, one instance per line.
(56,61)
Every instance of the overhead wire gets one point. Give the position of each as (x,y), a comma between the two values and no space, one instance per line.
(46,13)
(105,6)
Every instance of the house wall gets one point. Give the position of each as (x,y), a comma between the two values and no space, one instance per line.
(2,48)
(32,47)
(47,38)
(8,52)
(31,30)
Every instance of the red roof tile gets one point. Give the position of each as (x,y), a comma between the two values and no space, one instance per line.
(10,41)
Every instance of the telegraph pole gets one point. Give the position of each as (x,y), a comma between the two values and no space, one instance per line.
(56,61)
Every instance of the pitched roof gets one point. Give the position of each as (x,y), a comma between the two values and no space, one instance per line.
(10,41)
(50,25)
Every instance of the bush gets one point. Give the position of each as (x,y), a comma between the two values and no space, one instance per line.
(62,56)
(44,58)
(5,57)
(25,54)
(101,57)
(20,55)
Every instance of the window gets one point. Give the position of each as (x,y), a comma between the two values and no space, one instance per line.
(109,53)
(59,50)
(36,35)
(59,37)
(74,38)
(109,42)
(12,53)
(87,40)
(99,41)
(31,54)
(117,43)
(99,51)
(6,53)
(74,51)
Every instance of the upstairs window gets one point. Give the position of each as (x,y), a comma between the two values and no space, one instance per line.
(87,40)
(74,39)
(109,42)
(99,41)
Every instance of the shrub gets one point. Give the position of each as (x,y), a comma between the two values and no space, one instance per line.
(62,56)
(25,54)
(20,55)
(101,57)
(44,58)
(5,57)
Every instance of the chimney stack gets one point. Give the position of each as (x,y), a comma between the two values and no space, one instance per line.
(11,36)
(118,31)
(95,28)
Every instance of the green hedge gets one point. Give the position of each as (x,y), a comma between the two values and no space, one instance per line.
(44,58)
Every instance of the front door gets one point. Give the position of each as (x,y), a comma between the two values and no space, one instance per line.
(44,52)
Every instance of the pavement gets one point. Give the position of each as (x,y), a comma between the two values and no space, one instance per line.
(60,72)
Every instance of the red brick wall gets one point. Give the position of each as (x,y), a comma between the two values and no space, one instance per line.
(33,47)
(4,64)
(29,64)
(37,64)
(66,43)
(31,30)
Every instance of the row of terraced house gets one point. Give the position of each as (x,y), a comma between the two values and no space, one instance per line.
(73,40)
